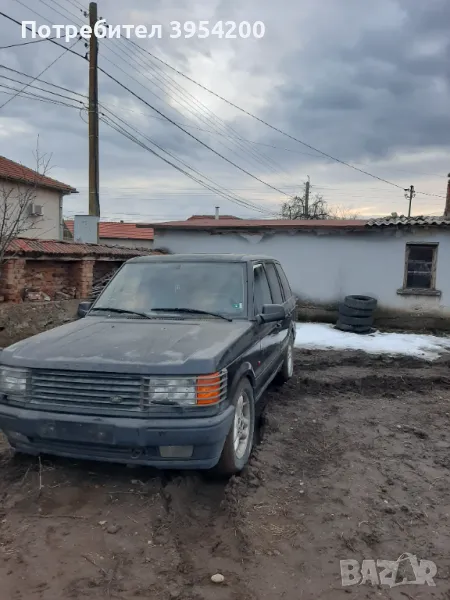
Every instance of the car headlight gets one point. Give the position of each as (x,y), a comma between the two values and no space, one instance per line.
(177,390)
(187,391)
(13,381)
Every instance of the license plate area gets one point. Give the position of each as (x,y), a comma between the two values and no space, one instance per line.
(77,432)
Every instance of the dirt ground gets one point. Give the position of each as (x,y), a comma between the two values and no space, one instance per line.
(353,463)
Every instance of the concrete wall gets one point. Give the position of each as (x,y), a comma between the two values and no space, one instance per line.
(136,244)
(47,227)
(323,268)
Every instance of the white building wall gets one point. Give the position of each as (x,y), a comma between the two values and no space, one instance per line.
(47,227)
(323,268)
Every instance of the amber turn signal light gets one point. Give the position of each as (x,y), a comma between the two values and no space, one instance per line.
(208,389)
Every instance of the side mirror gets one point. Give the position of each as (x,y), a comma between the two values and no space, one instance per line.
(83,308)
(272,313)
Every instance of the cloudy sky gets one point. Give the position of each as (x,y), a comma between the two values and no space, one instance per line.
(367,83)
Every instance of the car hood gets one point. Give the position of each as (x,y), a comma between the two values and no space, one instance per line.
(185,346)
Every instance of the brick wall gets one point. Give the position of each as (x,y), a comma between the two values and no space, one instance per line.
(55,278)
(49,276)
(11,280)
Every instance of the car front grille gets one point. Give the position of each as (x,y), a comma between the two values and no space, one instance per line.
(80,391)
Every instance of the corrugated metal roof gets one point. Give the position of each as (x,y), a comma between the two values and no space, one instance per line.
(421,221)
(120,231)
(32,246)
(13,171)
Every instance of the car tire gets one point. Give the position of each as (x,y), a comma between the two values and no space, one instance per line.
(361,329)
(346,311)
(287,368)
(356,321)
(360,302)
(235,453)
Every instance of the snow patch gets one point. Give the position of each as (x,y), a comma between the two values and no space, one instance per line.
(323,336)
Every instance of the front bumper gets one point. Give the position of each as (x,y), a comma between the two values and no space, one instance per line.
(114,439)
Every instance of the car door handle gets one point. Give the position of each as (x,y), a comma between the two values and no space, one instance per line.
(279,325)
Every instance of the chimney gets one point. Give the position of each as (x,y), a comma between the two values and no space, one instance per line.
(447,201)
(218,207)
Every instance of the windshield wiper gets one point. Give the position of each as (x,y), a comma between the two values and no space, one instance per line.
(193,311)
(121,311)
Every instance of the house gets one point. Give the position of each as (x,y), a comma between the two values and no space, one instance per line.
(33,200)
(403,262)
(126,235)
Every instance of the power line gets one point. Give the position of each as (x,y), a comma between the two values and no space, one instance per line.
(60,87)
(159,112)
(23,43)
(52,40)
(35,87)
(32,96)
(40,73)
(132,137)
(260,157)
(190,134)
(265,122)
(225,100)
(175,85)
(47,101)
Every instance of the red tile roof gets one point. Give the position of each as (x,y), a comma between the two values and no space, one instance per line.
(120,231)
(13,171)
(259,224)
(34,247)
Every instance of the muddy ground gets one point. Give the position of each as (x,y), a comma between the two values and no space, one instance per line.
(353,463)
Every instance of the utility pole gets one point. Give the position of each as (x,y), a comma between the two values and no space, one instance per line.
(307,187)
(447,201)
(409,195)
(94,195)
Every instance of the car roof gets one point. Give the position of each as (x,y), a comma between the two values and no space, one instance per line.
(200,258)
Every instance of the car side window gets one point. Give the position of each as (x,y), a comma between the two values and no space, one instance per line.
(274,283)
(262,289)
(284,282)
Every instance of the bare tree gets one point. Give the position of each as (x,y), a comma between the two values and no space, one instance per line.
(298,208)
(16,197)
(316,208)
(340,212)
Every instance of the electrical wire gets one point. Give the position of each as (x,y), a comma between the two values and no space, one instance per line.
(40,73)
(162,114)
(35,87)
(190,134)
(169,81)
(23,43)
(186,106)
(325,154)
(57,11)
(225,100)
(25,96)
(241,201)
(188,98)
(60,87)
(134,139)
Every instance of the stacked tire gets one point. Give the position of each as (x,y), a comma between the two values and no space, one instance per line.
(356,314)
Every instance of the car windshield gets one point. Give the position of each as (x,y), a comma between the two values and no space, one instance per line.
(205,286)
